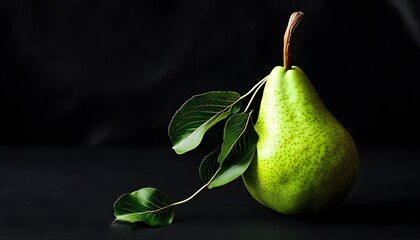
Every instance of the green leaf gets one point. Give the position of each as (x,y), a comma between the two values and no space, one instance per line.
(233,167)
(197,115)
(209,166)
(233,158)
(147,205)
(234,129)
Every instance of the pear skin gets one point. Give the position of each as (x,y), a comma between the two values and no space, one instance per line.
(306,160)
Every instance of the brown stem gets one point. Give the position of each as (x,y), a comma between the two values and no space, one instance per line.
(294,21)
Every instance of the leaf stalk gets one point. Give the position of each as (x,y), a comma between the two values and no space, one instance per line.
(197,192)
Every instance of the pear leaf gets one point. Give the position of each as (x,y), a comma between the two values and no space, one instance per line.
(197,115)
(234,130)
(209,166)
(148,205)
(230,161)
(234,166)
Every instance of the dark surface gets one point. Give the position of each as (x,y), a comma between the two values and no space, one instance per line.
(68,194)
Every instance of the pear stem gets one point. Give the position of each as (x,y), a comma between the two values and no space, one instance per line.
(294,21)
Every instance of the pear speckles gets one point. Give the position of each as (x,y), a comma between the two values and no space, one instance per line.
(306,160)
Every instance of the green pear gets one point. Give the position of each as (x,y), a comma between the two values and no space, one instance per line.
(306,160)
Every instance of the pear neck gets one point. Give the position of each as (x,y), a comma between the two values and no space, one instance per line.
(294,21)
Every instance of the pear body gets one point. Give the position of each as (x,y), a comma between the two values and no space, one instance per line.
(306,160)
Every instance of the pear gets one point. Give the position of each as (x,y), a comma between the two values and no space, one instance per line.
(306,160)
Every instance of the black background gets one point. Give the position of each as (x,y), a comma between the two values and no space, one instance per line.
(88,89)
(112,73)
